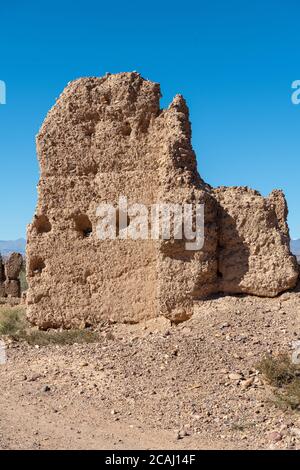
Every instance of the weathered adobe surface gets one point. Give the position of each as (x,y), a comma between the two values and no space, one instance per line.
(9,276)
(107,137)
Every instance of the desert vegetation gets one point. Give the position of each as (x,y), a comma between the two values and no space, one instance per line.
(284,377)
(14,326)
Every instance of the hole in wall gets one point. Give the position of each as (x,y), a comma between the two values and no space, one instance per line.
(126,129)
(106,98)
(42,224)
(83,225)
(89,169)
(36,265)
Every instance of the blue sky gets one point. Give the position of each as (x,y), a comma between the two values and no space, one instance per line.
(234,61)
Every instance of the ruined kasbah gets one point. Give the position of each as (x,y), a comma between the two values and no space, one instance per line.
(169,331)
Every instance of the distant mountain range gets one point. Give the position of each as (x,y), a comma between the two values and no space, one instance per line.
(295,247)
(10,246)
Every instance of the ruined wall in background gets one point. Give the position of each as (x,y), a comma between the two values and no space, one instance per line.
(10,286)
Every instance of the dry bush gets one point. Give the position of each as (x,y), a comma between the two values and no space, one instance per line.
(13,323)
(12,320)
(44,338)
(284,377)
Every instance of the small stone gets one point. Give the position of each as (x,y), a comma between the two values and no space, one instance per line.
(34,377)
(225,325)
(295,432)
(196,417)
(275,436)
(46,388)
(181,434)
(235,376)
(247,383)
(237,356)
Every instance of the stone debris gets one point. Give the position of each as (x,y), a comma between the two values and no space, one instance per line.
(184,405)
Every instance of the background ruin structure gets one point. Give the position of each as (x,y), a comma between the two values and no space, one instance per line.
(107,137)
(10,268)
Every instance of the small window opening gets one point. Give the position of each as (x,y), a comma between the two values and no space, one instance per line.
(83,225)
(36,266)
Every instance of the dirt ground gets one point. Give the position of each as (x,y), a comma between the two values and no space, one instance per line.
(156,386)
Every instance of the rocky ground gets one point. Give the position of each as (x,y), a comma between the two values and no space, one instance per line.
(154,385)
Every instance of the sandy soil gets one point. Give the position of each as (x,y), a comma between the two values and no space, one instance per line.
(156,386)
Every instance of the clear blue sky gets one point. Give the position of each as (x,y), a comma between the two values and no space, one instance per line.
(234,61)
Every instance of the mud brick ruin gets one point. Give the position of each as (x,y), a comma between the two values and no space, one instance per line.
(107,137)
(9,276)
